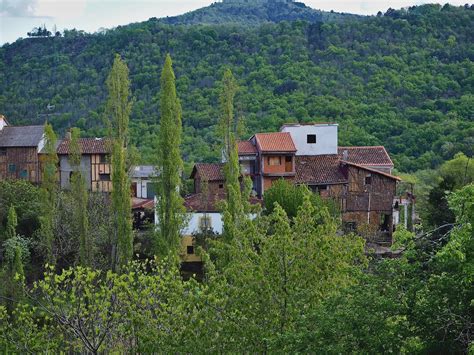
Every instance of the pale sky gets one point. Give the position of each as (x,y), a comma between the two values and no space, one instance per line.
(17,17)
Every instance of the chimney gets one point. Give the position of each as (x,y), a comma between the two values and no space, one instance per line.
(68,136)
(345,155)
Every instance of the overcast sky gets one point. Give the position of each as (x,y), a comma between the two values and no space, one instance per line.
(17,17)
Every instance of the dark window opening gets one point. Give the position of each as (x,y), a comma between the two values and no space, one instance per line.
(11,168)
(104,177)
(385,222)
(3,151)
(190,249)
(221,186)
(24,174)
(103,159)
(311,138)
(349,226)
(368,180)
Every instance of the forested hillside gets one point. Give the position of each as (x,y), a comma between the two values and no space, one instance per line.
(404,80)
(255,13)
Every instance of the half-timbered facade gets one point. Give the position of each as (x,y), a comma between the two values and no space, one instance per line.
(95,163)
(20,148)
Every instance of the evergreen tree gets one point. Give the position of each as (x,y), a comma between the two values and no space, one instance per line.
(81,197)
(49,189)
(118,111)
(170,205)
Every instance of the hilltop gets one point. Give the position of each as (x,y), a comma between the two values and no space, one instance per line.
(402,80)
(255,13)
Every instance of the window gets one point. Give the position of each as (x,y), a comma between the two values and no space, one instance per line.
(368,180)
(274,160)
(11,168)
(221,186)
(190,249)
(103,159)
(104,177)
(3,151)
(311,138)
(349,226)
(205,223)
(24,174)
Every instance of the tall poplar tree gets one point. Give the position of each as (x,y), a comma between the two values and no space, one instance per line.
(81,197)
(170,208)
(49,190)
(237,205)
(118,111)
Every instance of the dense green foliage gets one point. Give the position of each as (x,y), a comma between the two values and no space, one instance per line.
(403,80)
(284,289)
(170,209)
(254,13)
(118,111)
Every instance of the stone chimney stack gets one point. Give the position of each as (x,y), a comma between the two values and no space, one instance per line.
(345,155)
(68,136)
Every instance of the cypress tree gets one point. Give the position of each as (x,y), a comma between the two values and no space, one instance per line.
(49,190)
(81,197)
(118,110)
(170,208)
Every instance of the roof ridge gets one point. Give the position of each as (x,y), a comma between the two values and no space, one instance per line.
(371,170)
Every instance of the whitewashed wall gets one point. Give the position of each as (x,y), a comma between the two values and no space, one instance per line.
(141,187)
(193,223)
(326,138)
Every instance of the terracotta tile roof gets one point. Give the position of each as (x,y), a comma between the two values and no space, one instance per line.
(88,146)
(372,170)
(197,202)
(275,142)
(376,155)
(212,172)
(21,136)
(319,169)
(141,203)
(246,148)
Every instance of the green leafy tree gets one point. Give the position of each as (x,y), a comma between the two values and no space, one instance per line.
(81,198)
(12,223)
(49,190)
(170,209)
(118,110)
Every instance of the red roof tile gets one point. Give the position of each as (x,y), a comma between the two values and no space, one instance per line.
(211,172)
(319,169)
(275,142)
(246,148)
(141,203)
(376,155)
(198,203)
(373,170)
(88,146)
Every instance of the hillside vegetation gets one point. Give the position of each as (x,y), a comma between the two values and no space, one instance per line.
(404,80)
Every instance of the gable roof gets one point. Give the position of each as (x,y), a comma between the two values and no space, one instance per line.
(21,136)
(319,170)
(199,203)
(143,171)
(376,155)
(393,177)
(209,171)
(275,142)
(87,145)
(246,148)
